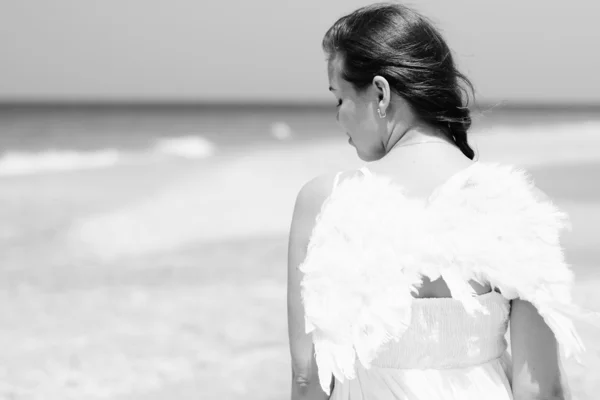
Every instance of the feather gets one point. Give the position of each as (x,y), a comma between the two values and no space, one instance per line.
(372,245)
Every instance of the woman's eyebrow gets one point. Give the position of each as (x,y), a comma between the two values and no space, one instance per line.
(332,89)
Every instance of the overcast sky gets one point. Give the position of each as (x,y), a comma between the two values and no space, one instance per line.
(269,50)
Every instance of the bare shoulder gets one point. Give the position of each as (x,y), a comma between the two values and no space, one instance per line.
(317,189)
(314,192)
(309,202)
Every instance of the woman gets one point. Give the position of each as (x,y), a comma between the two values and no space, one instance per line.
(404,275)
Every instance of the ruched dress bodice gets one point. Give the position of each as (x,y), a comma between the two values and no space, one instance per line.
(445,350)
(443,335)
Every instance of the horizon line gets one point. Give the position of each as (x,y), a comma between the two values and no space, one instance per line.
(505,105)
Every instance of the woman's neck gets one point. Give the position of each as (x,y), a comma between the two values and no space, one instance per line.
(413,136)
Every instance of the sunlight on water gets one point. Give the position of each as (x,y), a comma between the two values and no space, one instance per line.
(23,163)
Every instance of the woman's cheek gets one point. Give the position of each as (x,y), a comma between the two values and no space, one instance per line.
(341,118)
(345,120)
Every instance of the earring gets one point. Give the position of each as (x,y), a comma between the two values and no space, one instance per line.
(380,114)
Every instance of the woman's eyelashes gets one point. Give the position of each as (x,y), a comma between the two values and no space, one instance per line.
(339,103)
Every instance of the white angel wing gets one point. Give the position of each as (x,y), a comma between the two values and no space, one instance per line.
(510,237)
(372,245)
(356,291)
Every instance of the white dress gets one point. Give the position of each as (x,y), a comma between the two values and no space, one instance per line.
(373,243)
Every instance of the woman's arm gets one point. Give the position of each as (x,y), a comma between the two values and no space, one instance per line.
(305,380)
(537,370)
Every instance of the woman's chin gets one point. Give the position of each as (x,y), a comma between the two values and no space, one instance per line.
(367,157)
(362,156)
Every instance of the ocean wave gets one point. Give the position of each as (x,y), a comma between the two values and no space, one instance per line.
(20,163)
(185,146)
(53,160)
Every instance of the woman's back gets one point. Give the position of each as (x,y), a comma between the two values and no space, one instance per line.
(376,321)
(445,352)
(420,172)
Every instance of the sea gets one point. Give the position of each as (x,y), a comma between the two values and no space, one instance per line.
(47,138)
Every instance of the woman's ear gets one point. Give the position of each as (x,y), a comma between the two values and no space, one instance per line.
(383,92)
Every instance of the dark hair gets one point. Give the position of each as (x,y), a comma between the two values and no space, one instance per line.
(399,44)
